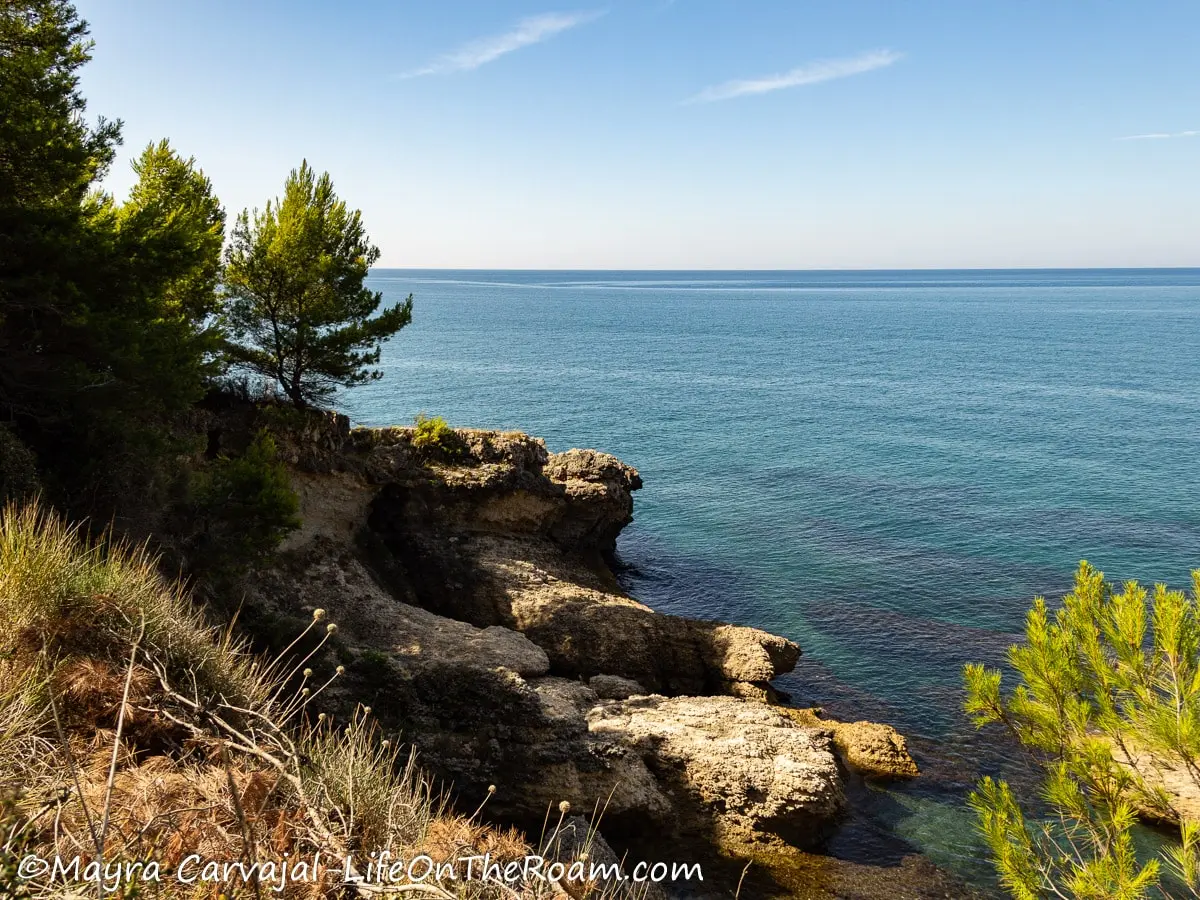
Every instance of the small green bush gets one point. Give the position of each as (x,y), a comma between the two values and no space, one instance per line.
(244,507)
(432,435)
(18,468)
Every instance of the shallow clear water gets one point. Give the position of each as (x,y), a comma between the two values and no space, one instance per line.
(884,466)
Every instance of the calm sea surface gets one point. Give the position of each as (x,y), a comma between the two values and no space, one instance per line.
(884,466)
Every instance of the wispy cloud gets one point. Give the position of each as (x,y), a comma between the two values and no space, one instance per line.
(809,73)
(527,32)
(1158,136)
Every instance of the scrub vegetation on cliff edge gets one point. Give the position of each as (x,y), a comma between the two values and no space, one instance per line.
(131,730)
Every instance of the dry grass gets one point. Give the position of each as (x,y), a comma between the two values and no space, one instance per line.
(132,730)
(63,596)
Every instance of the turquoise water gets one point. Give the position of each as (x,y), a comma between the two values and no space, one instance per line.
(884,466)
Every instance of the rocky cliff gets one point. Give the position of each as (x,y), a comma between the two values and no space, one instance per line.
(478,615)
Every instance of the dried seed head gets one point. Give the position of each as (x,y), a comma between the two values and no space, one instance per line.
(340,670)
(321,717)
(318,615)
(331,628)
(564,807)
(308,673)
(385,744)
(304,692)
(491,789)
(366,710)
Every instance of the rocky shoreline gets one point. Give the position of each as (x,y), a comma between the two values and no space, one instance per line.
(478,616)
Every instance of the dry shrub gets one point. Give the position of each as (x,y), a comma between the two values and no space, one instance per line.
(131,730)
(451,836)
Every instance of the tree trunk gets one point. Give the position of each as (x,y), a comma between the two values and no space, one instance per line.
(295,393)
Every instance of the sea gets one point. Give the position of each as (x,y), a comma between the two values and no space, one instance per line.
(884,466)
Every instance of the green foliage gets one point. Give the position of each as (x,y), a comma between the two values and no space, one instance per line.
(49,160)
(105,309)
(1088,851)
(1108,696)
(101,305)
(18,468)
(171,229)
(49,153)
(281,417)
(297,310)
(356,770)
(243,506)
(434,436)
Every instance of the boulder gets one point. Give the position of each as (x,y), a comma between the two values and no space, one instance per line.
(874,750)
(869,748)
(742,767)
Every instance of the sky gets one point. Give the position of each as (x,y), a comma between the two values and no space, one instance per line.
(686,134)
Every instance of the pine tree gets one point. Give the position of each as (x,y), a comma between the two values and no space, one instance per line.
(106,309)
(1108,698)
(50,160)
(102,306)
(297,311)
(170,233)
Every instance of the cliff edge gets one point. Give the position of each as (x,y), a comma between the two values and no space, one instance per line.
(478,615)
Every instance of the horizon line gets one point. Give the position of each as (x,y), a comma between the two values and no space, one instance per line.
(852,269)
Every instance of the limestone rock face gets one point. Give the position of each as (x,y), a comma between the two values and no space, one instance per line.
(508,534)
(480,709)
(588,627)
(875,750)
(478,618)
(328,576)
(474,702)
(869,748)
(591,466)
(748,654)
(599,492)
(748,767)
(503,482)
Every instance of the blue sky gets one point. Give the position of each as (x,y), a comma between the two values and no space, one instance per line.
(687,133)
